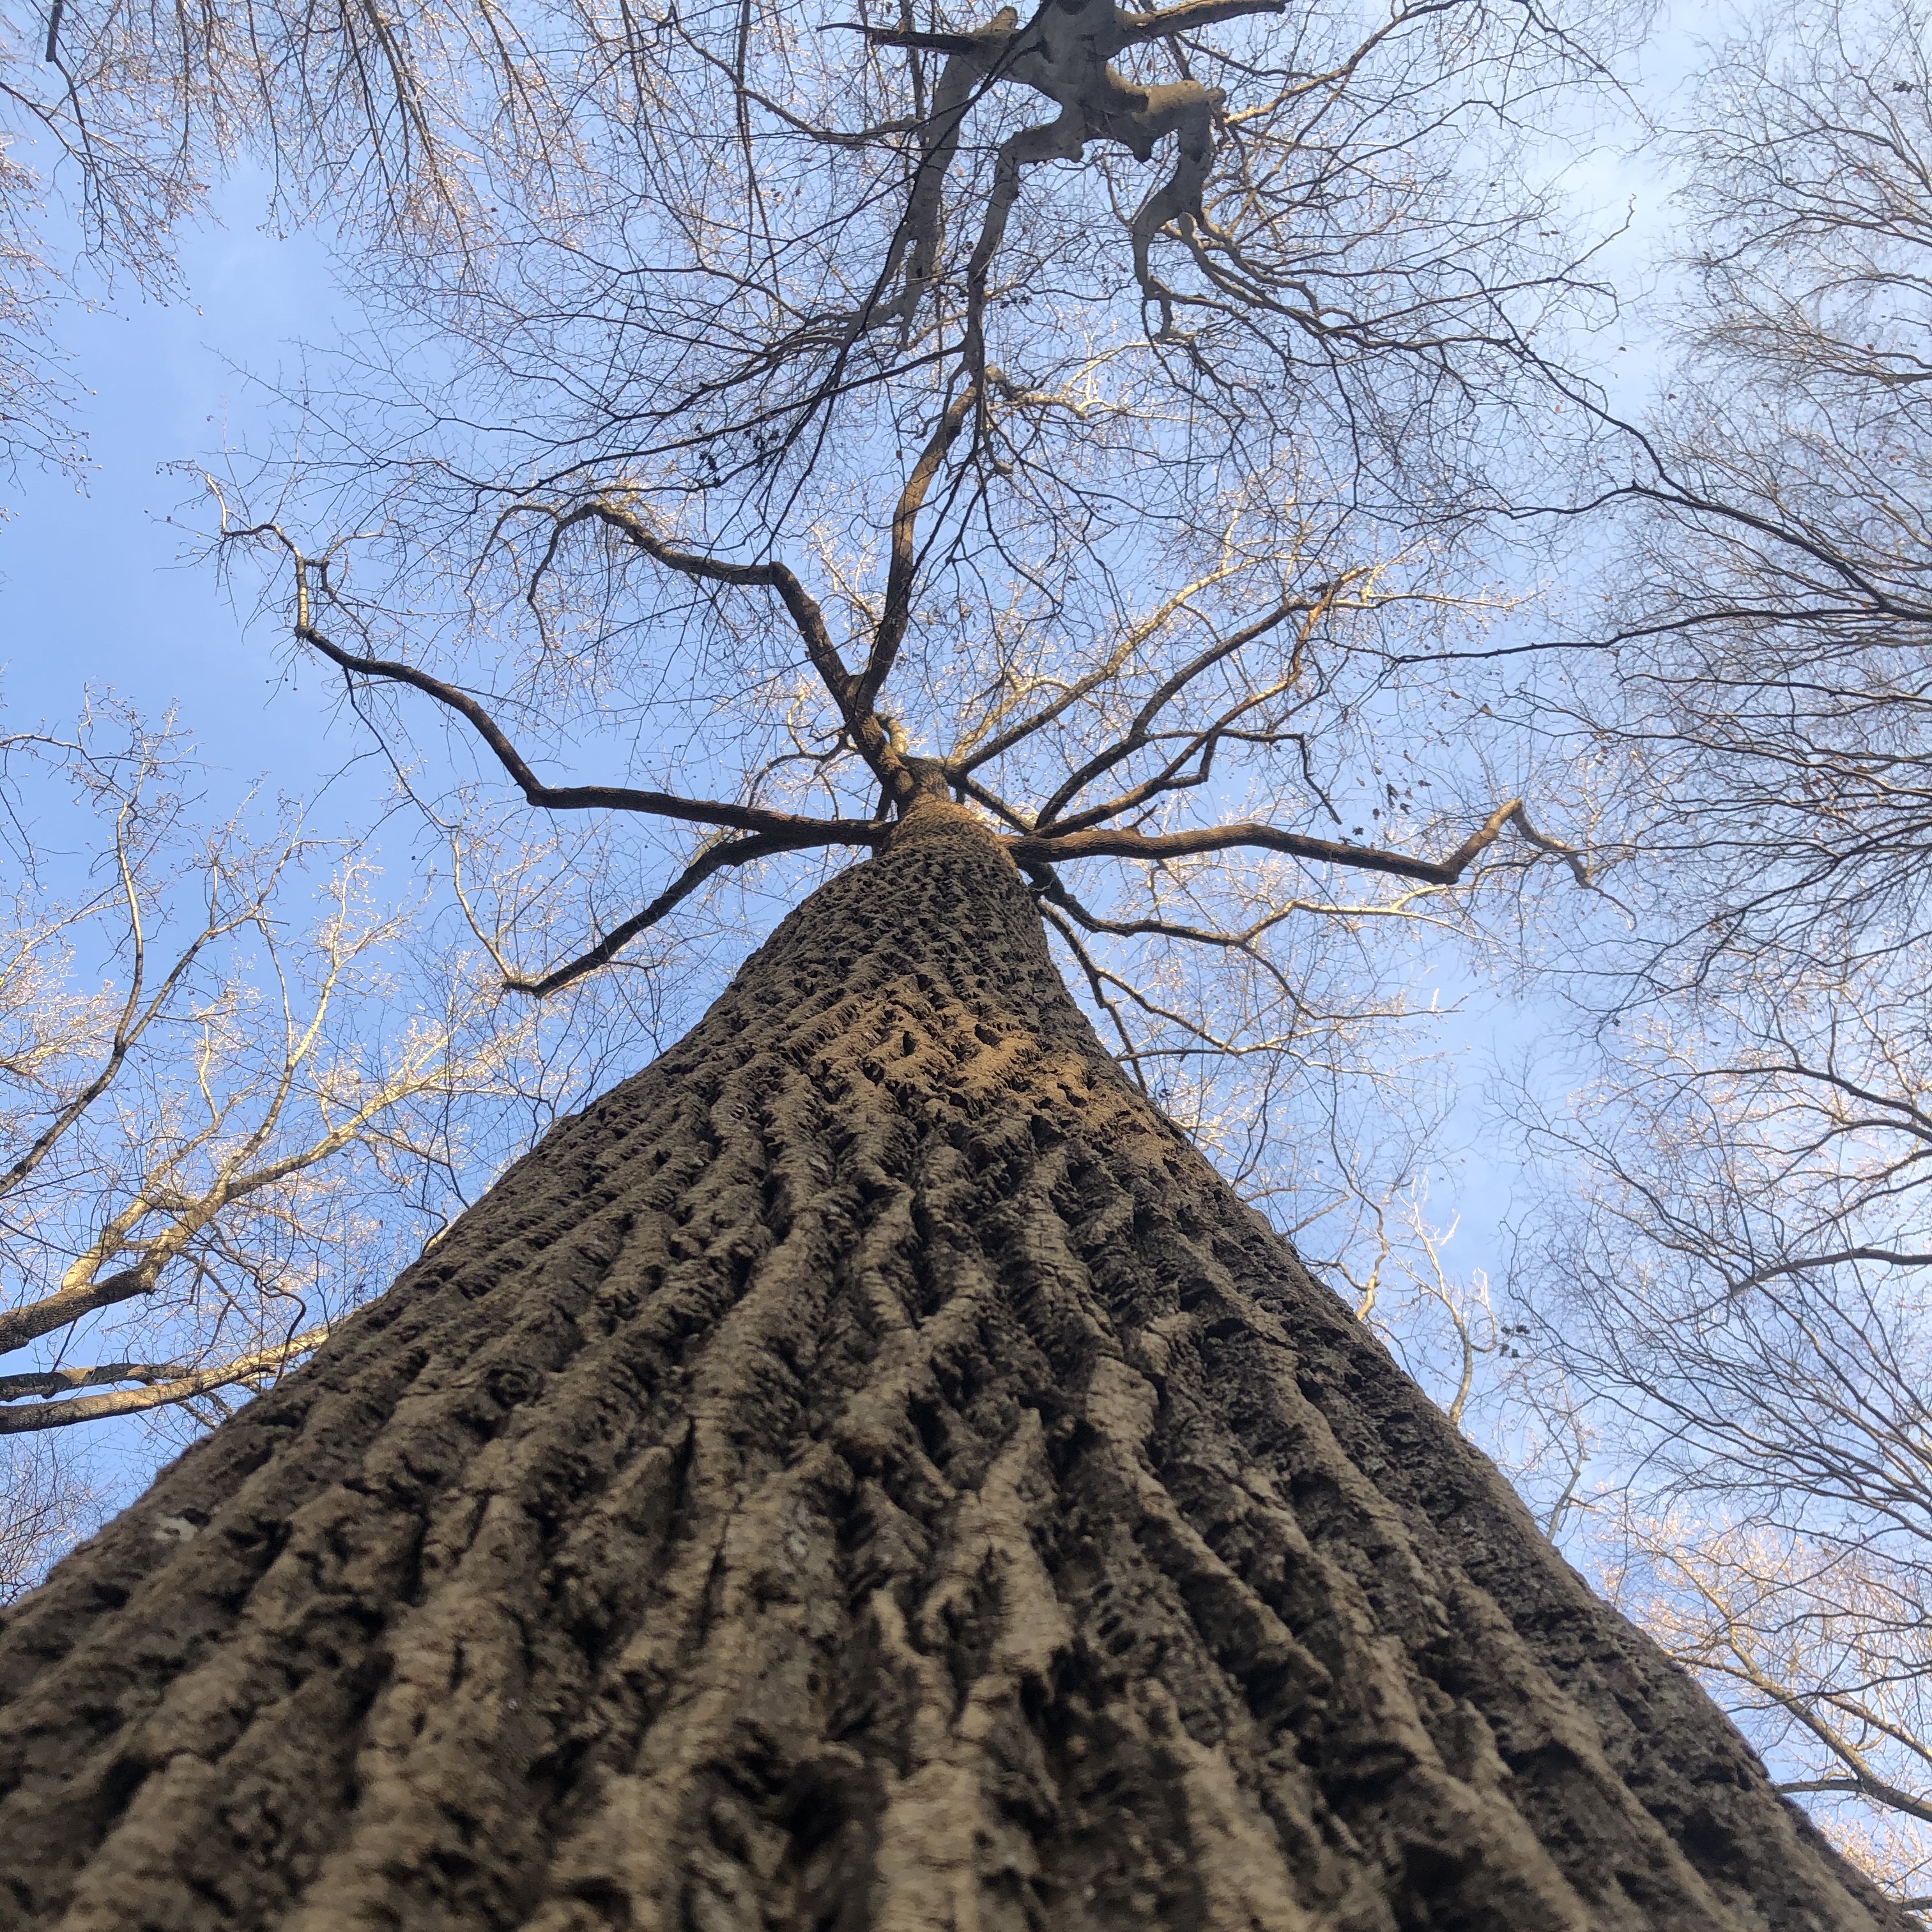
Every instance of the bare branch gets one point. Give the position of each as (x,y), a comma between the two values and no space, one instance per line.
(897,612)
(1121,843)
(259,1367)
(591,798)
(713,859)
(773,574)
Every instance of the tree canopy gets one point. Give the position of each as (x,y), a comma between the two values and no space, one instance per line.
(1139,425)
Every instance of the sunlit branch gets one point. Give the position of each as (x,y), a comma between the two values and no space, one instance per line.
(915,40)
(65,1381)
(1166,21)
(971,756)
(133,1022)
(249,1370)
(19,1326)
(1137,734)
(1198,749)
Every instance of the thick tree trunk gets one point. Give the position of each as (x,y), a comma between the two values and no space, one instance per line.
(865,1472)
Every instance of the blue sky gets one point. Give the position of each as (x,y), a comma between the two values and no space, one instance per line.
(93,587)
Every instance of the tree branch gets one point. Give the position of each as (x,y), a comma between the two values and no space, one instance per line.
(1136,736)
(1133,28)
(19,1326)
(592,798)
(728,852)
(251,1368)
(1888,1257)
(869,734)
(985,40)
(64,1382)
(1103,842)
(771,574)
(891,631)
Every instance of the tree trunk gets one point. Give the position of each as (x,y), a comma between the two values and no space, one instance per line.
(867,1472)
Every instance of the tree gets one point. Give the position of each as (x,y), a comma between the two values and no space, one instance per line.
(1766,712)
(220,1130)
(866,1466)
(1737,1299)
(1200,673)
(48,1506)
(869,1469)
(1738,1269)
(1823,1650)
(118,120)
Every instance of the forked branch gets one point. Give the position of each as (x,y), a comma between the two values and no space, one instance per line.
(890,633)
(869,733)
(715,858)
(799,603)
(592,798)
(1124,842)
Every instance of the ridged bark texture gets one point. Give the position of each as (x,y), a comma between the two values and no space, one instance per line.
(866,1474)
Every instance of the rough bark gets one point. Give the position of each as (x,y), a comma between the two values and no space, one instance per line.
(865,1472)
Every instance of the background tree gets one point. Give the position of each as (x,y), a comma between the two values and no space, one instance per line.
(1728,1283)
(243,1085)
(1738,1270)
(49,1504)
(118,122)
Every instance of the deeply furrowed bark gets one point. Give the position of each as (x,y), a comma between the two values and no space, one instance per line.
(865,1472)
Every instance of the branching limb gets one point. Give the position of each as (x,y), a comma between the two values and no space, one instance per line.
(773,574)
(903,568)
(714,859)
(1866,1782)
(1578,865)
(915,252)
(590,798)
(1165,22)
(982,795)
(1310,610)
(19,1326)
(971,755)
(1050,888)
(867,732)
(1119,842)
(250,1371)
(137,1014)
